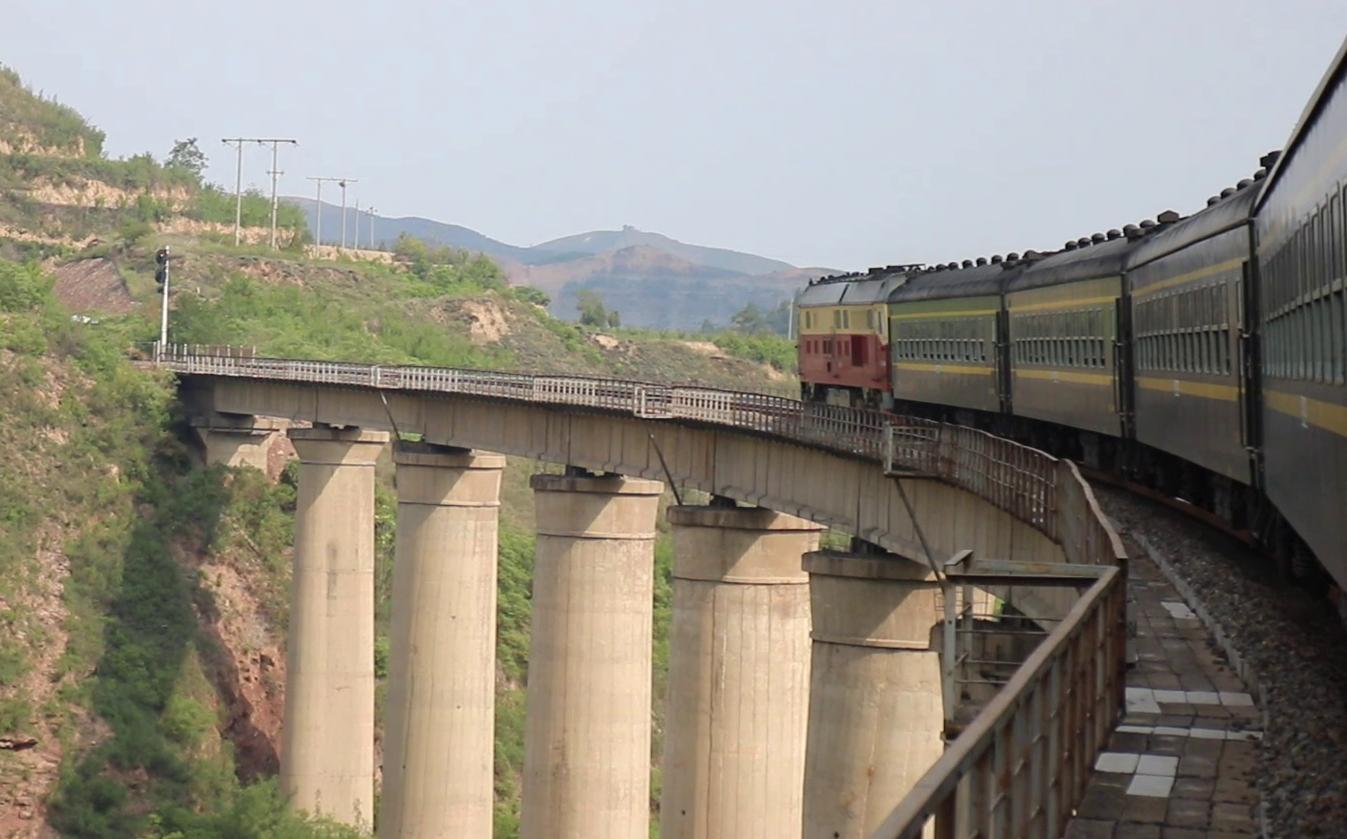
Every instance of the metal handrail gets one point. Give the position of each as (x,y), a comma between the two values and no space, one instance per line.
(1013,477)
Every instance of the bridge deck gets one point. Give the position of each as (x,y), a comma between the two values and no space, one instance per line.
(1181,764)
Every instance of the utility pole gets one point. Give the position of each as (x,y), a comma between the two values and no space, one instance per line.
(238,186)
(371,228)
(318,208)
(342,183)
(275,174)
(238,180)
(357,223)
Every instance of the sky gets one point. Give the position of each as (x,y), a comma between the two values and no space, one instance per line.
(842,134)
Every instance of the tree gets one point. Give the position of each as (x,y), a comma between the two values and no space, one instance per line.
(186,156)
(749,320)
(591,308)
(529,294)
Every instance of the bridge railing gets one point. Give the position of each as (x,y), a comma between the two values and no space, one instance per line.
(1015,478)
(1021,766)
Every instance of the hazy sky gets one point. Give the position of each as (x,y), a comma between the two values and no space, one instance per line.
(842,134)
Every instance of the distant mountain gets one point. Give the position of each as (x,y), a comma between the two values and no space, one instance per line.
(651,279)
(598,241)
(386,230)
(653,288)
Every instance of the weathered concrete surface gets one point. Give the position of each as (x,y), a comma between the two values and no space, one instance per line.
(840,491)
(587,737)
(875,707)
(438,744)
(738,699)
(327,754)
(246,441)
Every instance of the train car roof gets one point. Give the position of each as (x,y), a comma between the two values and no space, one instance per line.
(1087,262)
(1318,100)
(856,289)
(874,289)
(936,284)
(825,292)
(1228,213)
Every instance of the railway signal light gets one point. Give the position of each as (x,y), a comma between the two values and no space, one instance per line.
(161,269)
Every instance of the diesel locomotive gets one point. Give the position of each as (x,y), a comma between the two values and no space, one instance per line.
(1202,355)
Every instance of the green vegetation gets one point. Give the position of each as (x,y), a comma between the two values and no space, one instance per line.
(47,123)
(102,469)
(286,322)
(592,312)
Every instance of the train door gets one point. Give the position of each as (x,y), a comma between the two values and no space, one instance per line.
(1250,371)
(1124,394)
(1001,358)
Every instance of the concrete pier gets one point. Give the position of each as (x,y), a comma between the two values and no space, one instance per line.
(875,709)
(437,771)
(327,753)
(587,739)
(236,441)
(738,699)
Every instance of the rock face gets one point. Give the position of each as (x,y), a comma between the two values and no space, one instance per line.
(249,674)
(93,285)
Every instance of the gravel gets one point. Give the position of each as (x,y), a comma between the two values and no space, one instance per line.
(1291,644)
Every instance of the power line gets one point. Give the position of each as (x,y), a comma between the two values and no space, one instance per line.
(238,179)
(318,206)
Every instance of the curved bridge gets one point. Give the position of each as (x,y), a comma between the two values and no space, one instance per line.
(919,489)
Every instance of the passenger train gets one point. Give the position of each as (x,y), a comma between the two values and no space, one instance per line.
(1204,356)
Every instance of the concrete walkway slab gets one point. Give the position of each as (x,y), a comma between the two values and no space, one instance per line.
(1182,761)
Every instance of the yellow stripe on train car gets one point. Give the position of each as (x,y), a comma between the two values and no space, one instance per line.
(1068,376)
(1187,387)
(947,367)
(1056,305)
(1191,276)
(1326,415)
(967,313)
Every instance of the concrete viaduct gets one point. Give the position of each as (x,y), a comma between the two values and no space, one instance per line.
(810,691)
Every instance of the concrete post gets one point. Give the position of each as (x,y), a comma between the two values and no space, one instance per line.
(875,709)
(439,740)
(327,753)
(587,739)
(738,699)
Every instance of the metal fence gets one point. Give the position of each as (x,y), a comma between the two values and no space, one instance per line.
(1021,766)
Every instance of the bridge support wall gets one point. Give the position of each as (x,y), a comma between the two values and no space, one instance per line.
(327,753)
(587,737)
(437,778)
(236,446)
(738,697)
(875,710)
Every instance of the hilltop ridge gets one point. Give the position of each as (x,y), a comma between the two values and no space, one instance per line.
(654,280)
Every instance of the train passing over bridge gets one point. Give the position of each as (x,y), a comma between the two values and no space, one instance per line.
(1204,356)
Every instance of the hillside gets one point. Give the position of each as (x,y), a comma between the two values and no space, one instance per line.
(689,295)
(654,281)
(143,598)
